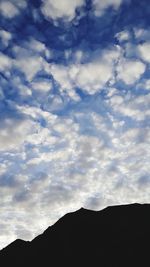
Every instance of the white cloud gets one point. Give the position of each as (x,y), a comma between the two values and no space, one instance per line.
(22,89)
(123,36)
(68,168)
(101,6)
(90,77)
(130,71)
(144,51)
(79,159)
(135,108)
(61,9)
(5,37)
(10,9)
(141,34)
(38,47)
(18,129)
(145,84)
(93,76)
(29,58)
(29,65)
(62,75)
(42,86)
(5,62)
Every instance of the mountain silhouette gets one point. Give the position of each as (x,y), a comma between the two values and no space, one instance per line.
(118,236)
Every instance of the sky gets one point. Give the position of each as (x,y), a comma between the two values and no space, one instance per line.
(74,109)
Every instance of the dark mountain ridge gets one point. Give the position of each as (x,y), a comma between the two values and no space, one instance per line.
(117,236)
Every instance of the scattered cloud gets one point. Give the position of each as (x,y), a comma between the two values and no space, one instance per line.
(90,76)
(136,109)
(29,66)
(10,9)
(61,10)
(5,61)
(123,36)
(129,71)
(144,51)
(141,34)
(18,129)
(74,105)
(5,37)
(101,6)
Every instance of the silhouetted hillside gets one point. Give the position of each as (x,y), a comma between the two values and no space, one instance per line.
(117,236)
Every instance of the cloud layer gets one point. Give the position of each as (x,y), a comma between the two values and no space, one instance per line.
(74,105)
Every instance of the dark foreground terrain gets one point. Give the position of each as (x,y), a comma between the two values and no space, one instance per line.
(117,236)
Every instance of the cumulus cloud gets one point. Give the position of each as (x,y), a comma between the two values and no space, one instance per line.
(147,84)
(61,10)
(5,37)
(123,36)
(135,108)
(29,66)
(90,76)
(144,51)
(129,71)
(144,85)
(18,128)
(5,62)
(70,165)
(30,58)
(42,86)
(10,9)
(101,6)
(74,124)
(141,34)
(65,162)
(93,76)
(38,47)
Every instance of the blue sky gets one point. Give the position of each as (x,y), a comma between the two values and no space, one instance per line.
(74,109)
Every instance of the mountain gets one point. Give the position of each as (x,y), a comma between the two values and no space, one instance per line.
(118,236)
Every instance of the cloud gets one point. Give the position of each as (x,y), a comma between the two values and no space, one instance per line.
(93,76)
(19,128)
(38,47)
(74,124)
(129,71)
(70,166)
(141,34)
(101,6)
(10,9)
(123,36)
(42,86)
(135,108)
(29,58)
(5,62)
(61,10)
(5,37)
(90,76)
(29,66)
(144,85)
(144,51)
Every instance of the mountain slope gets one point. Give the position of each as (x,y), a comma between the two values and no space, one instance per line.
(114,237)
